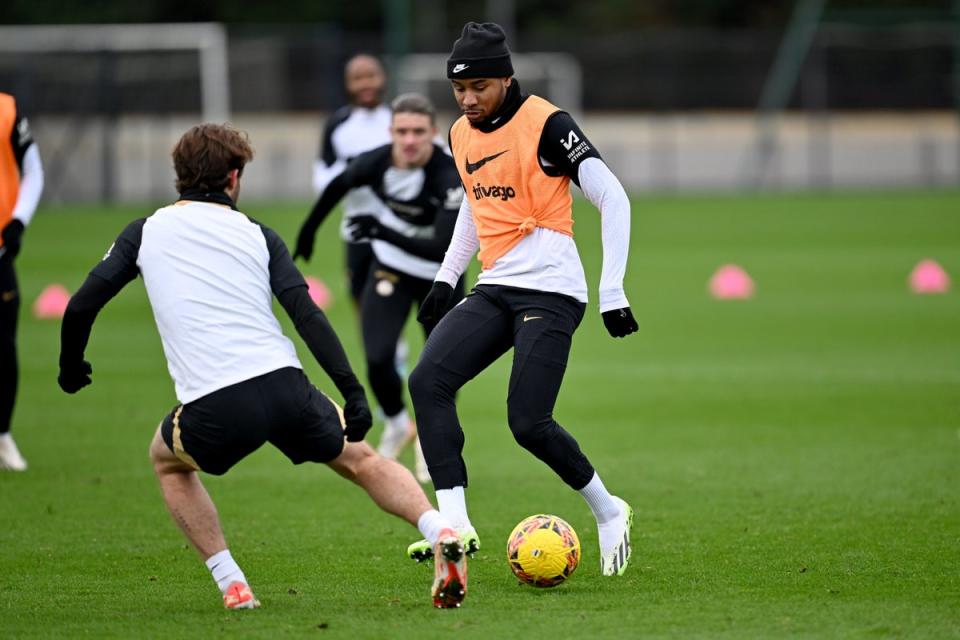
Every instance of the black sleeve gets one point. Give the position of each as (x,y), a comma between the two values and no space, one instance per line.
(430,248)
(20,140)
(327,153)
(105,281)
(360,172)
(336,189)
(564,146)
(82,310)
(283,273)
(320,338)
(448,190)
(119,265)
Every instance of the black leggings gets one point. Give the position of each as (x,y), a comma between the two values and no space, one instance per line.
(539,326)
(384,308)
(9,372)
(358,257)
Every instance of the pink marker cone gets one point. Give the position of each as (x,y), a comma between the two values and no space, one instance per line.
(731,282)
(929,277)
(318,292)
(51,303)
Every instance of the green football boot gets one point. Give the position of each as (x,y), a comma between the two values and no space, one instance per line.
(422,550)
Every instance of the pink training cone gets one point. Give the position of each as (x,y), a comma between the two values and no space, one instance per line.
(929,277)
(731,282)
(318,292)
(51,303)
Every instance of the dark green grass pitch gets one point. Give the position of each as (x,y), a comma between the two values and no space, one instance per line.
(794,460)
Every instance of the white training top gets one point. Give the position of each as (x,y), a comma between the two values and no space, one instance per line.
(547,260)
(206,269)
(349,132)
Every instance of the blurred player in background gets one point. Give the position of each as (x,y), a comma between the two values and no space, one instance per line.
(210,273)
(360,126)
(21,183)
(419,185)
(517,155)
(355,128)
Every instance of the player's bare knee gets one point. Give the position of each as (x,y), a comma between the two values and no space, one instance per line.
(354,459)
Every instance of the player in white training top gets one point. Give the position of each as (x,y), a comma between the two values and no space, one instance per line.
(211,274)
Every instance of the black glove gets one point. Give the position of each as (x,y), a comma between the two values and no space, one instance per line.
(436,304)
(74,376)
(364,227)
(356,413)
(12,233)
(619,322)
(305,243)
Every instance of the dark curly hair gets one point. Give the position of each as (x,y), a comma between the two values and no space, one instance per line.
(207,153)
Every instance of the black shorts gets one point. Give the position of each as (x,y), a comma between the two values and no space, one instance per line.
(215,432)
(359,256)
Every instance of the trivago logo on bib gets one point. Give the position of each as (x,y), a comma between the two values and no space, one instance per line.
(502,192)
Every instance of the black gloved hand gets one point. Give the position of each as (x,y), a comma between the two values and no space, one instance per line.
(304,247)
(74,376)
(11,234)
(619,322)
(364,227)
(356,414)
(437,303)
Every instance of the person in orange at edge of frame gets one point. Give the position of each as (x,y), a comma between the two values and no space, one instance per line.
(238,379)
(21,183)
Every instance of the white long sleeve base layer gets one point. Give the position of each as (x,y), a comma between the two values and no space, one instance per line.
(547,260)
(31,186)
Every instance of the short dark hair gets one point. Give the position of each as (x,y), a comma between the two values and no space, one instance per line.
(414,103)
(206,154)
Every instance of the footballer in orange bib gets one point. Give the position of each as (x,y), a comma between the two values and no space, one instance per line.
(517,155)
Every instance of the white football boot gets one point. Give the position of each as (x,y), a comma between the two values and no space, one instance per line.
(393,441)
(10,458)
(420,470)
(615,556)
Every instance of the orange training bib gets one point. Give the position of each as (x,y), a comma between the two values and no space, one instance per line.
(509,193)
(9,172)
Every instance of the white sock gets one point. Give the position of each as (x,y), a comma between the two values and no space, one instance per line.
(399,422)
(600,501)
(453,505)
(5,437)
(430,524)
(225,570)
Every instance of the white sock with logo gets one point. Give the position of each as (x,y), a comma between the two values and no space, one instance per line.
(430,524)
(225,570)
(453,505)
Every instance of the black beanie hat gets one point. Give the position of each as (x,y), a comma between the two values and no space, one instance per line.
(481,52)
